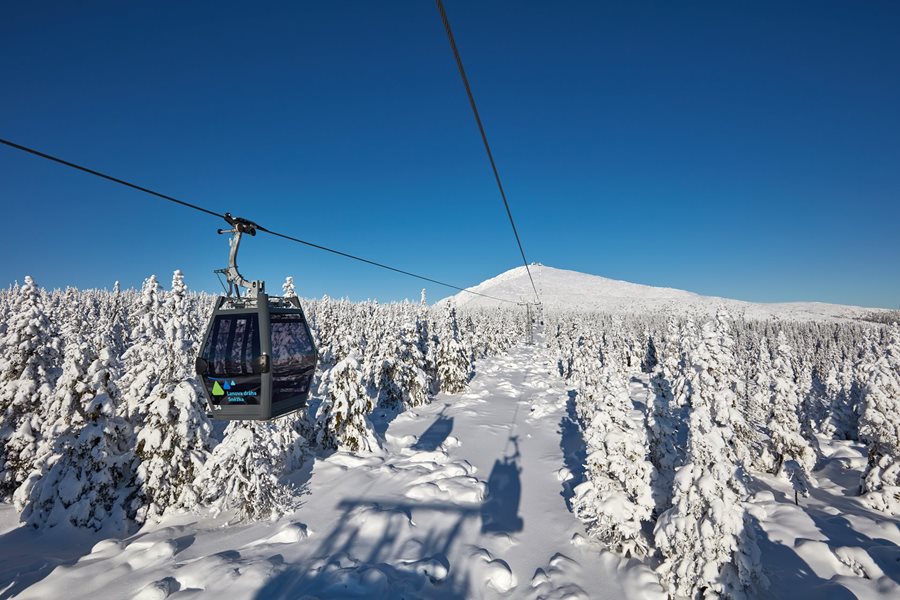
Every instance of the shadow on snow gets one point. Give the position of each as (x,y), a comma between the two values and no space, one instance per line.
(500,510)
(368,555)
(573,447)
(47,549)
(434,436)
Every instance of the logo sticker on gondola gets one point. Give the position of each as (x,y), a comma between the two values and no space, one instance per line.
(231,392)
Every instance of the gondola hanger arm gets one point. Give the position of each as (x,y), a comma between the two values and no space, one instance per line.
(239,227)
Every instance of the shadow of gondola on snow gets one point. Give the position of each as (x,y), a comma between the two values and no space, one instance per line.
(500,510)
(377,550)
(573,448)
(432,438)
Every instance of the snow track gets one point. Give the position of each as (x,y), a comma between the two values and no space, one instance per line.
(468,500)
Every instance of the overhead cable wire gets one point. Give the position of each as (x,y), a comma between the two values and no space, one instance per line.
(487,146)
(109,177)
(213,213)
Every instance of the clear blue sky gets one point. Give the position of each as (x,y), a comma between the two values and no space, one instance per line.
(743,149)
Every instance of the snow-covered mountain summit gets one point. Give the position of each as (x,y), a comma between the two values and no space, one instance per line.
(571,290)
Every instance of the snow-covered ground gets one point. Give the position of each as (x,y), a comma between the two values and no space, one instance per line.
(466,501)
(571,290)
(469,499)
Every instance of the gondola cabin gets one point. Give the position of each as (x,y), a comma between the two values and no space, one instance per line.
(258,358)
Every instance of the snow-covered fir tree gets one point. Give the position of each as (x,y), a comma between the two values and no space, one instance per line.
(757,409)
(28,356)
(408,373)
(453,361)
(87,480)
(616,498)
(243,475)
(784,423)
(880,427)
(113,322)
(650,359)
(287,289)
(342,422)
(704,539)
(173,432)
(715,377)
(662,437)
(171,447)
(426,347)
(145,360)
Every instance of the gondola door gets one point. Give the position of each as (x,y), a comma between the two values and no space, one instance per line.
(235,362)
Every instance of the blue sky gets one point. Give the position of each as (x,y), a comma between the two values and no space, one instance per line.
(747,150)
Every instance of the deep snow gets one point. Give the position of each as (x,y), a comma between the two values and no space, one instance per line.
(467,500)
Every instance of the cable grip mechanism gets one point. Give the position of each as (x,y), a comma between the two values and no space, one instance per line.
(239,226)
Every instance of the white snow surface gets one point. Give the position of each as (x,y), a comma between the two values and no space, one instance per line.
(467,499)
(561,289)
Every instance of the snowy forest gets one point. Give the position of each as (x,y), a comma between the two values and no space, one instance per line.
(104,427)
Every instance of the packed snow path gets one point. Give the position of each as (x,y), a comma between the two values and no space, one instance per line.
(468,500)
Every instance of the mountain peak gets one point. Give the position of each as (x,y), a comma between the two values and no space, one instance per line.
(563,289)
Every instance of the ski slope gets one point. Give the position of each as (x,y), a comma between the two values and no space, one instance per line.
(570,290)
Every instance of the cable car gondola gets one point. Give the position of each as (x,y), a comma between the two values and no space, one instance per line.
(258,356)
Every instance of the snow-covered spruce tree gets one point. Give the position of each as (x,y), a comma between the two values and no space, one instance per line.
(717,349)
(585,362)
(173,435)
(290,438)
(342,422)
(650,360)
(680,369)
(670,348)
(615,498)
(87,480)
(172,445)
(63,413)
(28,355)
(715,377)
(242,475)
(758,410)
(287,289)
(880,428)
(452,358)
(588,374)
(704,539)
(145,360)
(113,323)
(180,332)
(408,374)
(71,318)
(784,424)
(426,347)
(662,437)
(842,422)
(378,365)
(849,409)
